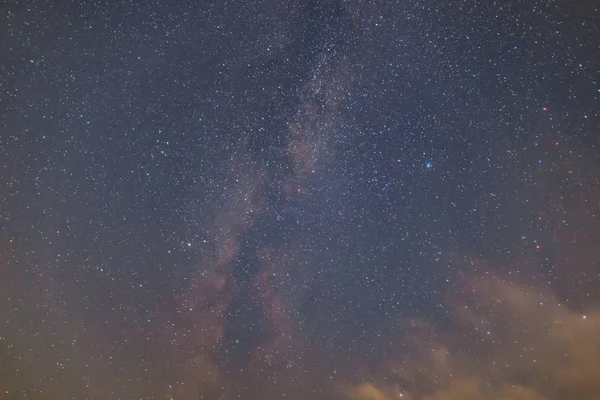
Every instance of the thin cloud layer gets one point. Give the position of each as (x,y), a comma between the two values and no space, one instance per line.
(515,342)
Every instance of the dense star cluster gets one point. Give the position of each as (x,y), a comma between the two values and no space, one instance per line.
(300,199)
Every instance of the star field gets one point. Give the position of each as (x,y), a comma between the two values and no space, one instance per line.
(337,200)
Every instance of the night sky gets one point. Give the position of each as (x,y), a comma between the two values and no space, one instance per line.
(329,200)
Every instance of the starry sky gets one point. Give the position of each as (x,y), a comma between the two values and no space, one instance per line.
(300,199)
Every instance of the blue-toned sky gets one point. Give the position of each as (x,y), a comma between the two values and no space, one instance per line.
(330,200)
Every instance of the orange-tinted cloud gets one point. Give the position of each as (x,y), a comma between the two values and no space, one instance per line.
(508,342)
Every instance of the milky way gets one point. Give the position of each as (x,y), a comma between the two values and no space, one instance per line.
(365,200)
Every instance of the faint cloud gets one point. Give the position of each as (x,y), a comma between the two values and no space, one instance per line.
(507,342)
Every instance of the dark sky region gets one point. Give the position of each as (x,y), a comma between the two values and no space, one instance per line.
(329,200)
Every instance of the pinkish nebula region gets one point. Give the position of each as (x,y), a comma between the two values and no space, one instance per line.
(328,200)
